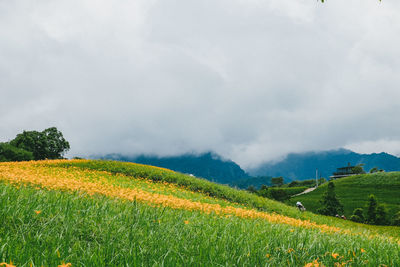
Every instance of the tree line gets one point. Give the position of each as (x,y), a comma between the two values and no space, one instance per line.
(373,213)
(35,145)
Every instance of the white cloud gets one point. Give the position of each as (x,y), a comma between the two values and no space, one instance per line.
(252,80)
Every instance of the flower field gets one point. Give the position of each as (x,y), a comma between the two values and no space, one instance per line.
(97,213)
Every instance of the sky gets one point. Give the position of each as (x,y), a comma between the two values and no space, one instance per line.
(251,80)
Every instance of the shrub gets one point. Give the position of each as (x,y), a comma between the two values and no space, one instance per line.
(356,218)
(359,213)
(396,219)
(381,215)
(12,153)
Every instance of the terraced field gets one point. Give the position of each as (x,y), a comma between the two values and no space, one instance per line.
(104,213)
(353,192)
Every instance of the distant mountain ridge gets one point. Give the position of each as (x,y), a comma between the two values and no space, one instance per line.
(301,166)
(209,165)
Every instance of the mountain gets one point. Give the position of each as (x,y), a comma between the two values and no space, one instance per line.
(301,166)
(208,165)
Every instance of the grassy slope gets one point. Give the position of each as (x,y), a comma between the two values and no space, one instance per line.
(353,192)
(97,231)
(222,192)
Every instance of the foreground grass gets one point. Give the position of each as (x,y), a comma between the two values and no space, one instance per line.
(62,211)
(48,227)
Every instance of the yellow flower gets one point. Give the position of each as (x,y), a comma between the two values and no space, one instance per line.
(38,211)
(362,250)
(335,255)
(268,255)
(186,222)
(290,250)
(314,263)
(7,264)
(65,265)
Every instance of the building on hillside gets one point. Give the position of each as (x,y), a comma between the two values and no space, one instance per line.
(343,172)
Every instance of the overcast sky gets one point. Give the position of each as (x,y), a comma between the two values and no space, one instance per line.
(251,80)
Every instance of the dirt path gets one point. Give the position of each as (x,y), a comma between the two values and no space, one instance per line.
(308,190)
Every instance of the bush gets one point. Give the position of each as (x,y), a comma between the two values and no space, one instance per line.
(278,194)
(356,218)
(396,219)
(12,153)
(360,213)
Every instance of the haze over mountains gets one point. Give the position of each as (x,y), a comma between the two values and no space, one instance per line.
(300,166)
(296,166)
(208,165)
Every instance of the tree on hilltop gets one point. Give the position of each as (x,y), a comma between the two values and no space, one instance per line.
(48,144)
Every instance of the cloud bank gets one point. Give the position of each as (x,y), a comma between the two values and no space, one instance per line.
(250,80)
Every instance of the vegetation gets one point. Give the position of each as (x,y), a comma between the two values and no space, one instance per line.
(279,193)
(330,203)
(12,153)
(354,191)
(307,183)
(34,145)
(256,182)
(277,181)
(301,166)
(358,169)
(209,165)
(56,212)
(375,213)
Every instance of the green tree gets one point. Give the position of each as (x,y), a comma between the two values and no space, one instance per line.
(277,194)
(48,144)
(252,189)
(372,209)
(358,169)
(358,215)
(373,170)
(330,203)
(277,181)
(381,215)
(396,219)
(12,153)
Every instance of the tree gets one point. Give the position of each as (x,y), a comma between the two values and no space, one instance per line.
(358,169)
(48,144)
(358,215)
(373,170)
(371,209)
(277,181)
(330,203)
(381,215)
(252,189)
(277,194)
(11,153)
(396,219)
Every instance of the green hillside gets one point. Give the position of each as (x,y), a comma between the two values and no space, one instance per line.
(104,213)
(353,192)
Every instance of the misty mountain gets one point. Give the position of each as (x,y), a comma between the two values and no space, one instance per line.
(208,165)
(301,166)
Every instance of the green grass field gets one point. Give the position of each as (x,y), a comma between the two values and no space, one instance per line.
(46,226)
(353,192)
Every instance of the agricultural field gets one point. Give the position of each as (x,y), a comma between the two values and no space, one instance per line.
(353,192)
(105,213)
